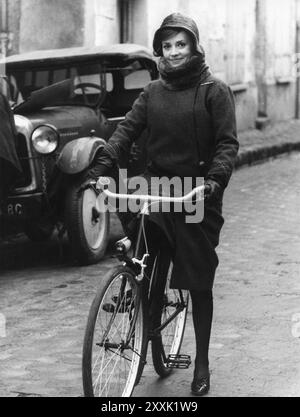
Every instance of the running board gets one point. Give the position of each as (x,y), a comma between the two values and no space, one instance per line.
(178,361)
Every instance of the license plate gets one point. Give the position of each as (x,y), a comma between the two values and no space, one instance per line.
(14,209)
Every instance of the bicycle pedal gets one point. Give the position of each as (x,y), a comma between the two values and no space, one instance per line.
(178,361)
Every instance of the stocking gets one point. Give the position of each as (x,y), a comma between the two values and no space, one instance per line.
(202,310)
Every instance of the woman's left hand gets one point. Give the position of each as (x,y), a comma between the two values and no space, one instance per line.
(212,190)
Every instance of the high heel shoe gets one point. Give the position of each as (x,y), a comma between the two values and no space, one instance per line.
(200,386)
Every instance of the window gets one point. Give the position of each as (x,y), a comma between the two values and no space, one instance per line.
(42,78)
(59,75)
(109,82)
(137,79)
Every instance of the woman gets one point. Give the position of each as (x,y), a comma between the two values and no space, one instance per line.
(190,119)
(9,164)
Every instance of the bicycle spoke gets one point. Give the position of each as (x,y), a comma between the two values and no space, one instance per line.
(108,378)
(170,319)
(115,350)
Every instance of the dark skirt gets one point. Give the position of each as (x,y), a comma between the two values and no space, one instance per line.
(192,245)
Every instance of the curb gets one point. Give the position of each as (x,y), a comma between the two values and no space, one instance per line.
(262,153)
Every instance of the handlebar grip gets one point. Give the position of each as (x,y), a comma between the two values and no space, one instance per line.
(102,183)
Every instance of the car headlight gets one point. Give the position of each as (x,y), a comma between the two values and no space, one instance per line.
(45,139)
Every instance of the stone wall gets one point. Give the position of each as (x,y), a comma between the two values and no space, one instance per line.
(14,13)
(227,32)
(50,24)
(250,44)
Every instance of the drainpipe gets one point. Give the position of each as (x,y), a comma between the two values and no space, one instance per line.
(126,20)
(297,63)
(6,37)
(4,27)
(260,61)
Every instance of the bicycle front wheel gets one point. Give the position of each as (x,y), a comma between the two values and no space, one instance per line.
(115,337)
(171,302)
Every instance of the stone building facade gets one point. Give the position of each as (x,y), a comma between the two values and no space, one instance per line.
(253,45)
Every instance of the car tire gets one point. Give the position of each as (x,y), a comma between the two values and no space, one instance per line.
(88,228)
(38,232)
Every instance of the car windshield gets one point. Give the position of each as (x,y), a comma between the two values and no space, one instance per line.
(78,84)
(87,82)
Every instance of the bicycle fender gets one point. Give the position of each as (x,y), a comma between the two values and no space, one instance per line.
(78,154)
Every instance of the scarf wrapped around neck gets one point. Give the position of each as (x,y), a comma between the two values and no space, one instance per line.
(184,76)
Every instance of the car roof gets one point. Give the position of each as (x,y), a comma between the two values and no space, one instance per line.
(122,51)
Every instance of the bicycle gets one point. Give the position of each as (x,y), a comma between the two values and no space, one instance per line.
(133,305)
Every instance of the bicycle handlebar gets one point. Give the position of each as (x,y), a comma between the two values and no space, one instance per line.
(104,181)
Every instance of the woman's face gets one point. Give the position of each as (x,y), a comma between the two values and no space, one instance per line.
(177,49)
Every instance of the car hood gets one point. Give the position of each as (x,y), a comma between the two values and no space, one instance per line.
(71,122)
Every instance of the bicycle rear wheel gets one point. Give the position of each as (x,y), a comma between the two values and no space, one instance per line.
(167,302)
(115,337)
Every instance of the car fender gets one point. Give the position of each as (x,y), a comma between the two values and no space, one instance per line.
(78,154)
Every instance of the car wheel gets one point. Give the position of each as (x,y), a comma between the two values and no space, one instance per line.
(38,232)
(87,223)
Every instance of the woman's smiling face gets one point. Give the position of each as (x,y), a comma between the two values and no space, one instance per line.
(177,49)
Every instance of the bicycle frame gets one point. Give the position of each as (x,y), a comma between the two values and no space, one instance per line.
(139,262)
(179,308)
(135,304)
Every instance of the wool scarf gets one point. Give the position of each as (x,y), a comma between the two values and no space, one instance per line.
(184,76)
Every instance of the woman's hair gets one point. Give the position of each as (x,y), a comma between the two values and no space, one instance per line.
(167,33)
(170,32)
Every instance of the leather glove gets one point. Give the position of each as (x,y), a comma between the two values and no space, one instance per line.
(92,174)
(212,190)
(100,166)
(98,170)
(85,184)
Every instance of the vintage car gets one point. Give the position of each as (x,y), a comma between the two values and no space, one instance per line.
(67,103)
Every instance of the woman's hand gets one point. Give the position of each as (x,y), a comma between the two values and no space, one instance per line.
(97,171)
(212,190)
(92,174)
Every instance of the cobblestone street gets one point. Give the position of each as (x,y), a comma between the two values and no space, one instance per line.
(255,342)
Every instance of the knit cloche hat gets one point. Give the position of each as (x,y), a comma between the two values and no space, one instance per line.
(178,21)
